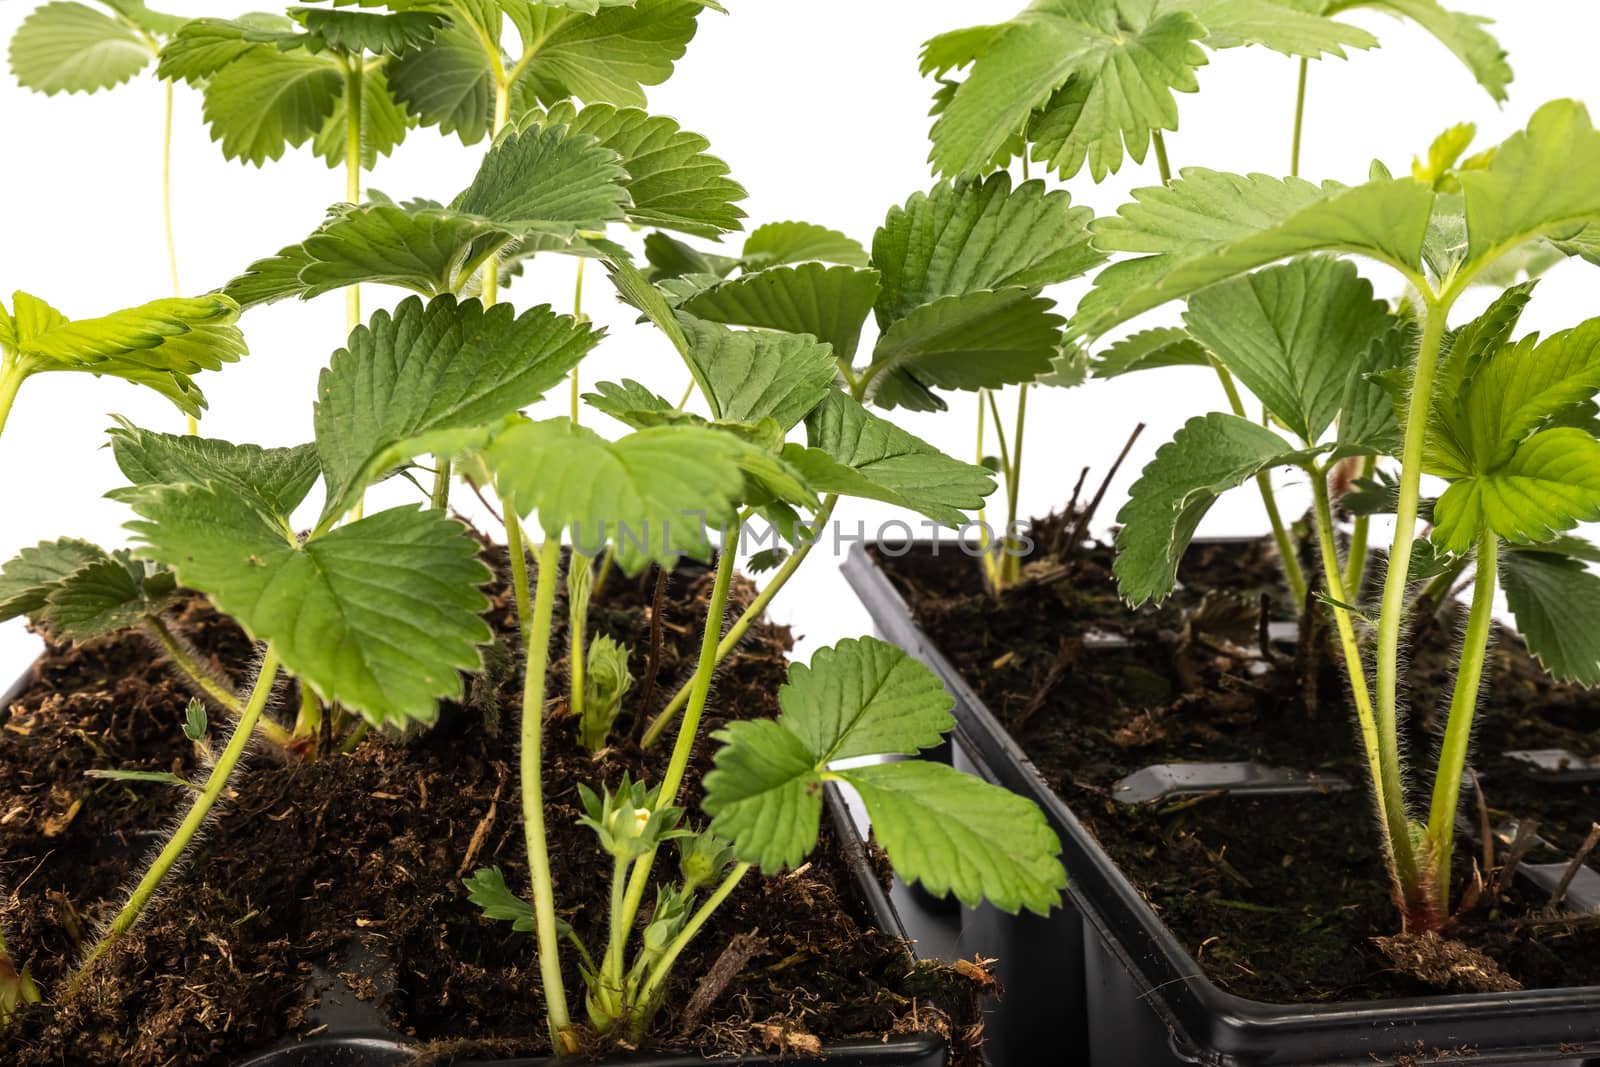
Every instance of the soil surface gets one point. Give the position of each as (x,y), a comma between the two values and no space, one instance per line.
(1280,899)
(352,865)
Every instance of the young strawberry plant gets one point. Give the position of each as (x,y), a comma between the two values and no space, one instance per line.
(1068,85)
(1507,424)
(656,494)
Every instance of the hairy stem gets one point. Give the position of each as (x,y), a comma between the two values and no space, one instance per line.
(533,692)
(519,566)
(610,986)
(179,841)
(663,966)
(1287,550)
(440,497)
(1392,617)
(1355,574)
(205,681)
(1299,120)
(1355,666)
(577,624)
(689,729)
(742,624)
(989,569)
(1458,727)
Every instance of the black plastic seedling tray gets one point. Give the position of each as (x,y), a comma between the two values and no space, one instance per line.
(1110,961)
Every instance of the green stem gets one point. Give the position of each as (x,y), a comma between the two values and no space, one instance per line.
(1010,561)
(11,378)
(1458,727)
(533,692)
(1355,666)
(440,497)
(352,170)
(519,566)
(1355,575)
(577,313)
(689,729)
(203,679)
(1287,550)
(1395,583)
(179,841)
(663,966)
(1299,120)
(742,624)
(577,623)
(1161,156)
(610,990)
(989,569)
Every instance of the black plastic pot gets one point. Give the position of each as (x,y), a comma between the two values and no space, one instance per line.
(352,1033)
(1146,1001)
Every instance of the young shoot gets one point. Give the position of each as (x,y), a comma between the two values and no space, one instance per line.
(1506,424)
(161,345)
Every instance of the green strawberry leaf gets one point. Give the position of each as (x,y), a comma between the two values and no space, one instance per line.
(778,243)
(1208,456)
(978,340)
(447,83)
(106,595)
(487,889)
(1555,600)
(854,452)
(755,374)
(672,180)
(427,369)
(357,32)
(1549,485)
(1165,346)
(70,47)
(380,615)
(967,236)
(548,179)
(268,101)
(1207,227)
(829,303)
(1462,33)
(1289,334)
(1524,193)
(275,479)
(609,57)
(1092,79)
(869,698)
(654,494)
(27,580)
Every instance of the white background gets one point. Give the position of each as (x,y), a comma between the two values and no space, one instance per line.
(817,106)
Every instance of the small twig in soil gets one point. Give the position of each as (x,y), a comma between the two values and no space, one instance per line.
(1560,895)
(1263,630)
(481,834)
(1072,506)
(1483,822)
(647,690)
(740,951)
(1521,845)
(1087,517)
(1066,655)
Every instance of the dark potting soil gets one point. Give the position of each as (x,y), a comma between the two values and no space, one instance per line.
(323,864)
(1280,899)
